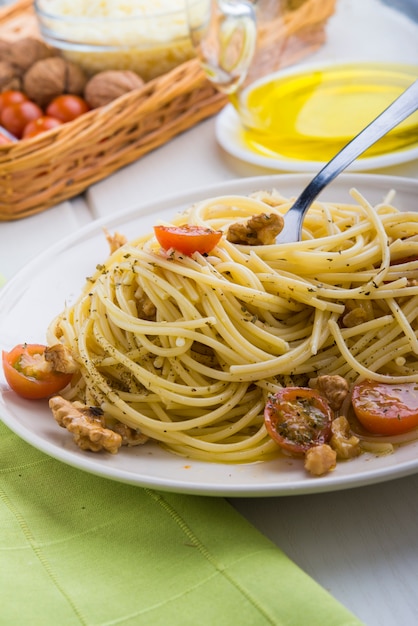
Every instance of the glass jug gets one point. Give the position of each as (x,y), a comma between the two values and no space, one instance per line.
(305,76)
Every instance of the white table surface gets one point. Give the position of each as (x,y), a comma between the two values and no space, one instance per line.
(360,544)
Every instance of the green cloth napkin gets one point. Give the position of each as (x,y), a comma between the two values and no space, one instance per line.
(77,549)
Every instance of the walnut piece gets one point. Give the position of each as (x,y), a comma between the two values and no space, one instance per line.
(144,305)
(115,241)
(86,424)
(320,459)
(49,78)
(259,230)
(333,387)
(130,436)
(342,441)
(106,86)
(61,359)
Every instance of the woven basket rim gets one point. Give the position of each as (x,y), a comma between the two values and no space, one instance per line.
(63,162)
(157,91)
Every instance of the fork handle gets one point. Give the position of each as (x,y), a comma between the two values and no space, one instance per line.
(400,109)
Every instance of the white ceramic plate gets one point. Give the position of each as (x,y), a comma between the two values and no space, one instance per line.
(30,300)
(228,131)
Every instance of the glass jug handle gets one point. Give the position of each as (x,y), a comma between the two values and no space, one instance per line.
(224,34)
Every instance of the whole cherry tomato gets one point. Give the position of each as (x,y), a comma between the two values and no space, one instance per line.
(40,125)
(29,374)
(15,116)
(67,107)
(10,97)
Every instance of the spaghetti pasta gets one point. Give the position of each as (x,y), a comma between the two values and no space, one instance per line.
(186,349)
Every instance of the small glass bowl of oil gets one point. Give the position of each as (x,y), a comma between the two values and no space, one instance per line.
(311,113)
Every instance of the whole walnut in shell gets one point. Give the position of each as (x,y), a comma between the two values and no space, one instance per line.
(108,85)
(9,77)
(49,78)
(24,52)
(4,49)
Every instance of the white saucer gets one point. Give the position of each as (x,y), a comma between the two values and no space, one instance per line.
(229,136)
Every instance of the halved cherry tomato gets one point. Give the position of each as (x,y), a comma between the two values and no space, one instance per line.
(15,116)
(29,374)
(11,96)
(187,238)
(384,408)
(40,125)
(67,107)
(298,418)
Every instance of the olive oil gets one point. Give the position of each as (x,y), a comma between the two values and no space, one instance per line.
(310,116)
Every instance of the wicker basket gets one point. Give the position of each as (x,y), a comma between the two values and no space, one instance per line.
(38,173)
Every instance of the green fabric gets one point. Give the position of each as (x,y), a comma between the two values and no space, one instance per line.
(79,549)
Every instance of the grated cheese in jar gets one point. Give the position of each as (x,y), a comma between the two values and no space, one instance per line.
(149,37)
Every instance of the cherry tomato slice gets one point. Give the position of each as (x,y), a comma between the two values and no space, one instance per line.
(386,409)
(187,238)
(10,97)
(298,418)
(40,125)
(67,107)
(15,116)
(28,373)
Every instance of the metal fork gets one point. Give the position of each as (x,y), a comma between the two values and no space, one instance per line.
(400,109)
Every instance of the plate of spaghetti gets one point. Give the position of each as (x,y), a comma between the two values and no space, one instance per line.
(202,354)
